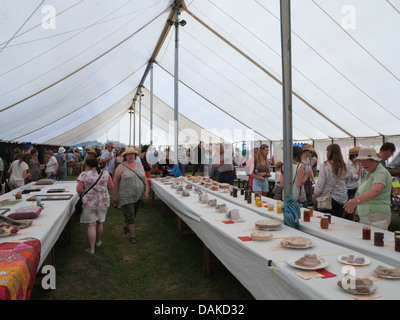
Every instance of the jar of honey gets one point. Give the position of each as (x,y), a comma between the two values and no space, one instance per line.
(324,222)
(329,216)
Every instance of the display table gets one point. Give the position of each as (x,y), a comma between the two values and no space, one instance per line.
(261,265)
(51,221)
(343,232)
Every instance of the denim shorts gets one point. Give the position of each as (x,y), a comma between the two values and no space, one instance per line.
(258,185)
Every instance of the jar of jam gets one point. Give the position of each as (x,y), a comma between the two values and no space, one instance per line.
(366,233)
(249,198)
(324,222)
(378,239)
(234,192)
(241,191)
(397,243)
(246,195)
(396,233)
(306,215)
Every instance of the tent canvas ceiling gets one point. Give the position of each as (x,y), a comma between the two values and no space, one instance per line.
(75,76)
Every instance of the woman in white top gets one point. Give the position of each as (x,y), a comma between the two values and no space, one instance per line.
(19,171)
(332,179)
(51,165)
(354,172)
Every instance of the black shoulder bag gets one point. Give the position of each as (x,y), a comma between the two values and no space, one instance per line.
(79,203)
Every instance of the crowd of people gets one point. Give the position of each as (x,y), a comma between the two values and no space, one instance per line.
(359,188)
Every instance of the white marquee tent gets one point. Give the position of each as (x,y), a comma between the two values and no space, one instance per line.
(71,70)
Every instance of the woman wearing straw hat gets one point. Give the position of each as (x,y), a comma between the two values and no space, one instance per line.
(130,186)
(372,198)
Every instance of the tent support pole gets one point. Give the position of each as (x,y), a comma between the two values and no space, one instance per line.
(140,116)
(287,96)
(151,104)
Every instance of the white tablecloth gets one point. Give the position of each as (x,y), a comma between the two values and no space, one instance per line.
(343,232)
(51,221)
(261,266)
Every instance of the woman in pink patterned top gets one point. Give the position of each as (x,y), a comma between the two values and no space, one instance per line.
(95,202)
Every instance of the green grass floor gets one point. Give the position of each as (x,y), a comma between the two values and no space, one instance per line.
(160,266)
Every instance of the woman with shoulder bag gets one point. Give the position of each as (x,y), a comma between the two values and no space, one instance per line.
(130,186)
(94,185)
(300,176)
(331,181)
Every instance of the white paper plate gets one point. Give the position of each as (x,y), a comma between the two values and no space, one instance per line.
(366,261)
(292,262)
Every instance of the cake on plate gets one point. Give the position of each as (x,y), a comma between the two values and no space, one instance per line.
(387,272)
(233,214)
(308,261)
(221,208)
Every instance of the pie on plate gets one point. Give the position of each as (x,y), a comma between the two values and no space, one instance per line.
(296,242)
(261,235)
(268,224)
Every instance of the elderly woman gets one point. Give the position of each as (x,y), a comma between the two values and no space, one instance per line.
(95,201)
(372,198)
(332,179)
(130,186)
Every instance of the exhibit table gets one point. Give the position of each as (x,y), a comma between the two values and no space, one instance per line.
(262,266)
(48,226)
(341,231)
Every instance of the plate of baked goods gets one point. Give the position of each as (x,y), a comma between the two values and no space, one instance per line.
(363,286)
(354,260)
(307,262)
(388,273)
(268,224)
(296,242)
(261,236)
